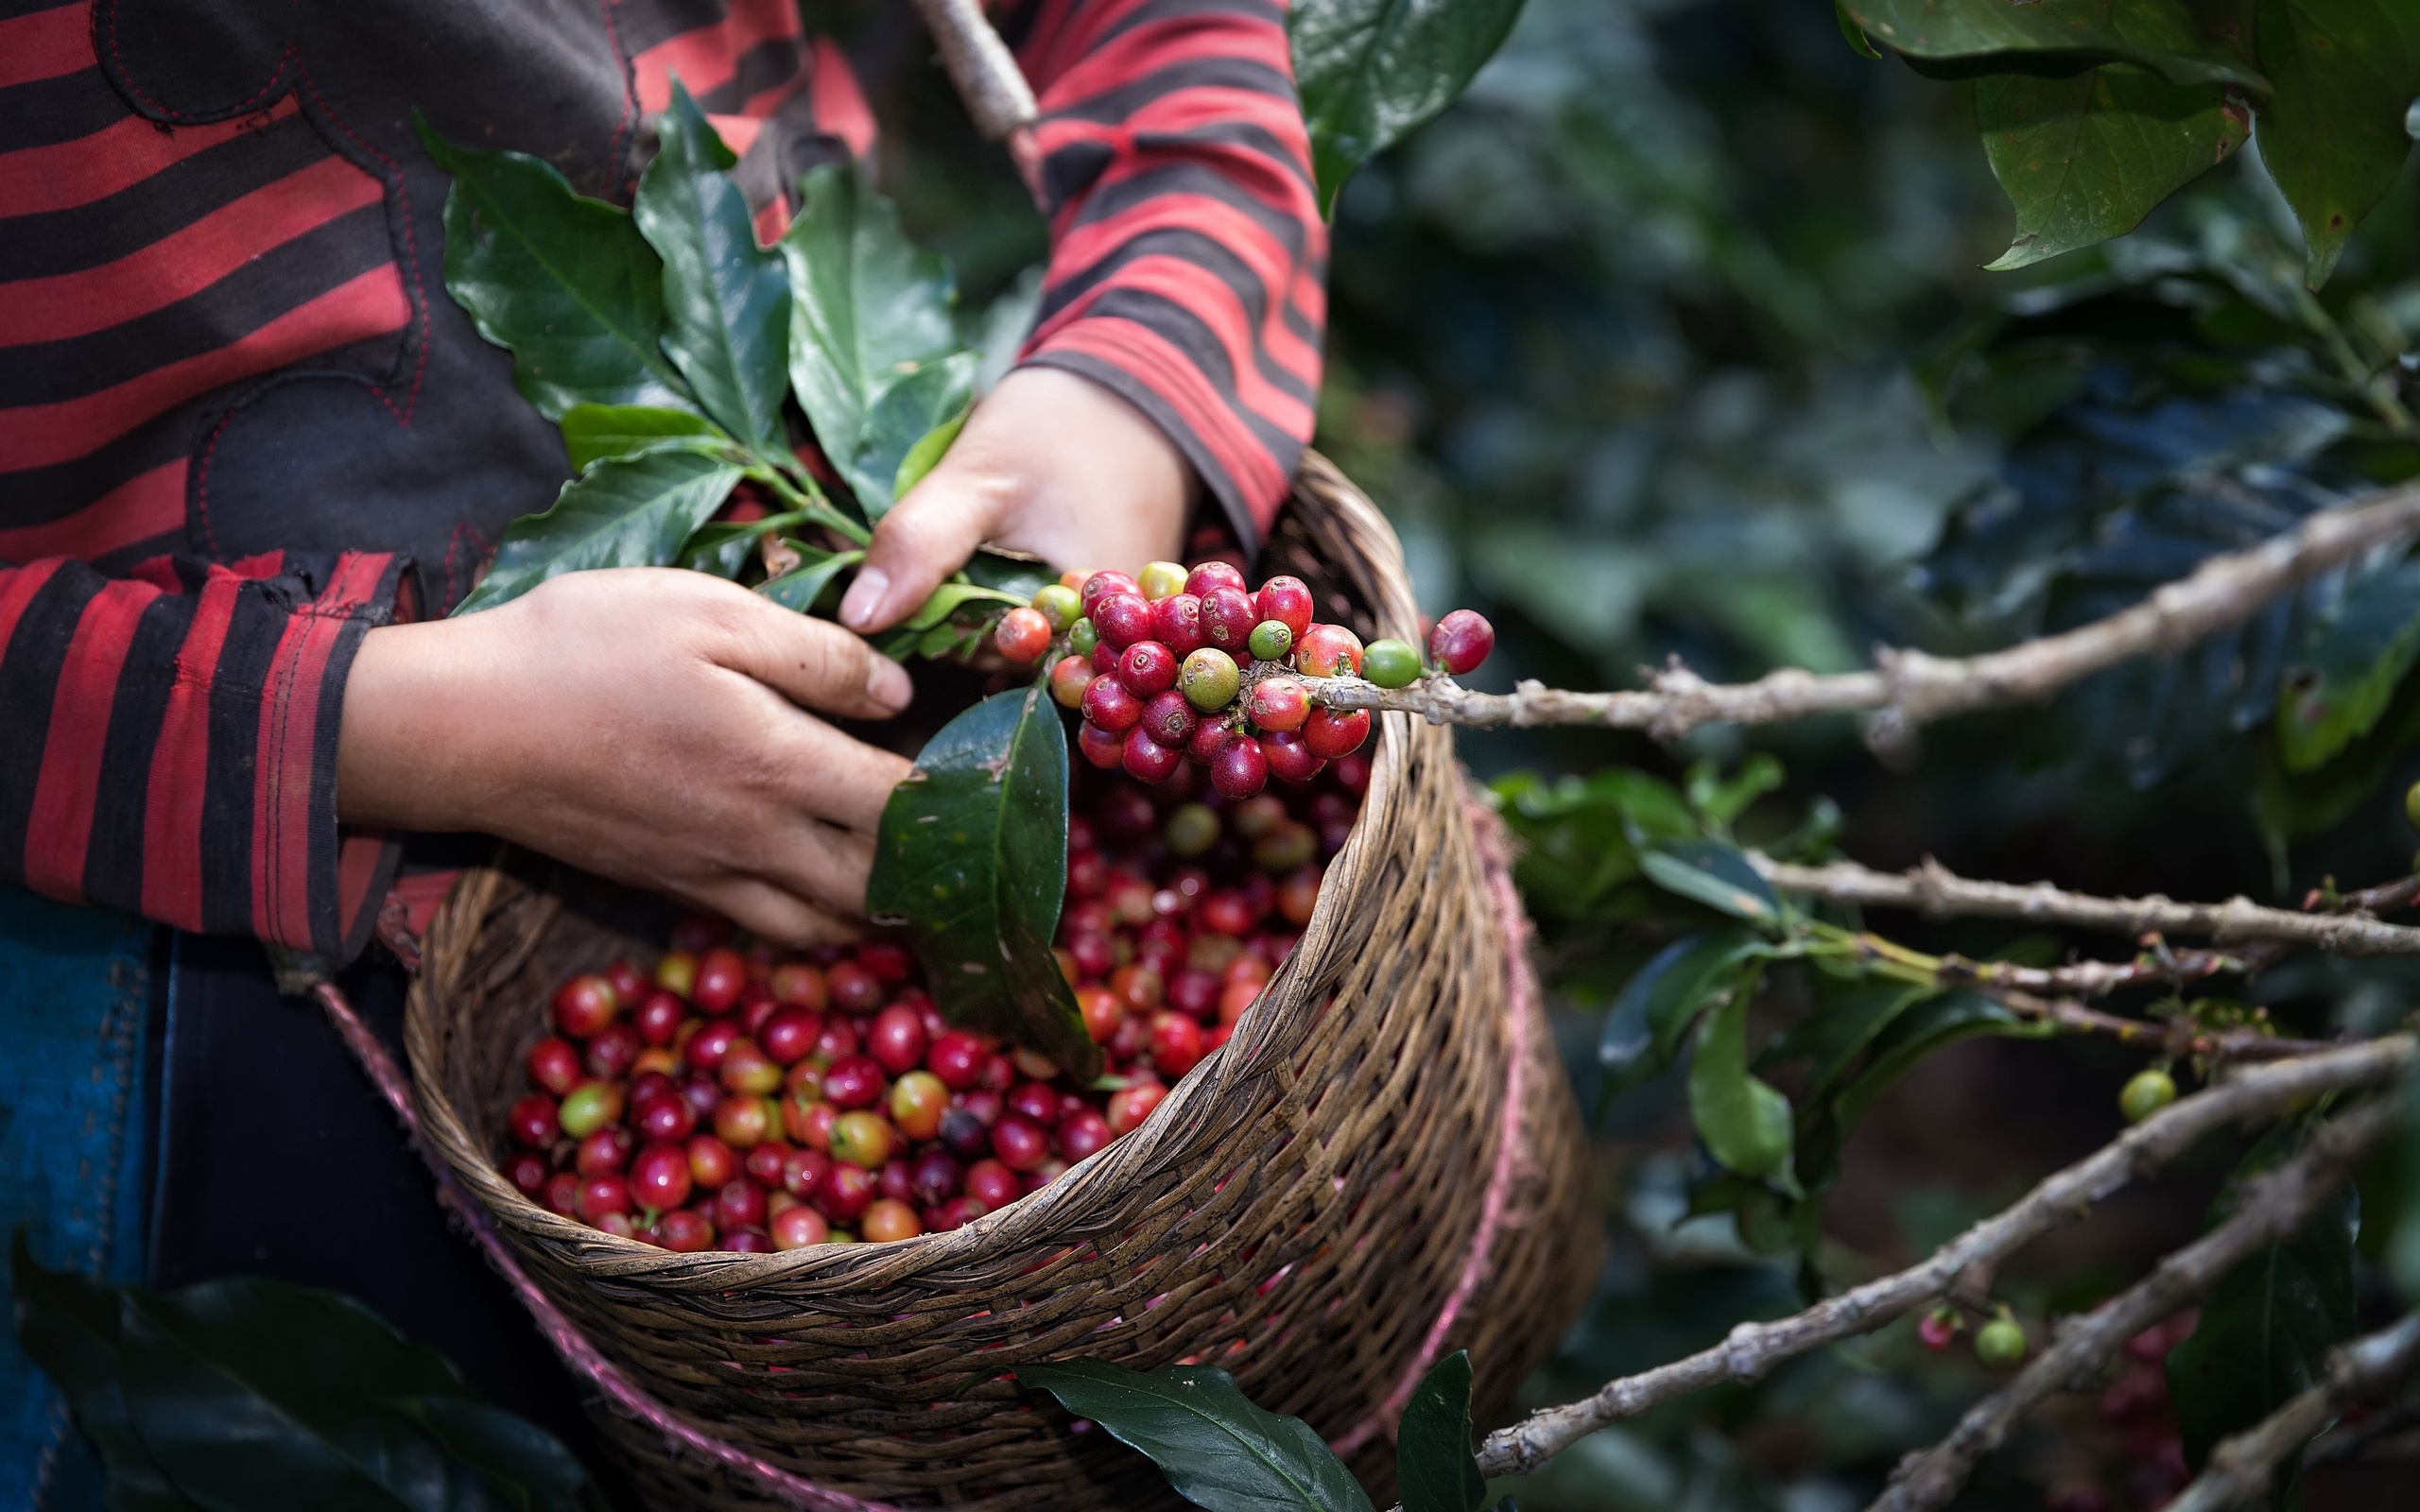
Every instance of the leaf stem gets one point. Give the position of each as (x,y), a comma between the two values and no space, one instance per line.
(812,505)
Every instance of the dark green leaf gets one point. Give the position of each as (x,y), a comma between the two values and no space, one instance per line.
(2333,136)
(1844,1023)
(1716,875)
(624,512)
(1744,1122)
(1371,72)
(1216,1448)
(1852,33)
(594,431)
(2086,158)
(1966,38)
(726,549)
(2352,660)
(726,300)
(1435,1469)
(972,857)
(869,312)
(803,585)
(923,408)
(927,452)
(2268,1325)
(1009,574)
(566,284)
(1916,1034)
(1718,800)
(68,1324)
(528,1467)
(1651,1015)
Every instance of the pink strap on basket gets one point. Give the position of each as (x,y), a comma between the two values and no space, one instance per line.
(1520,1007)
(585,1358)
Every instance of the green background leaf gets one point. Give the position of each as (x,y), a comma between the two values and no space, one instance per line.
(1964,38)
(594,432)
(1744,1121)
(1216,1447)
(973,856)
(1371,72)
(623,513)
(1435,1468)
(2333,137)
(726,300)
(2352,660)
(1713,874)
(566,284)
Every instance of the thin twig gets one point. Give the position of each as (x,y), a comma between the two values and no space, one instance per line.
(2241,1467)
(2275,1203)
(1934,890)
(1909,688)
(1752,1348)
(2178,1037)
(979,64)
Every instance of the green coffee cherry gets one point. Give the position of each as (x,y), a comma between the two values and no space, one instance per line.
(1271,639)
(1192,829)
(1081,637)
(1059,606)
(1391,663)
(2149,1092)
(2000,1345)
(1209,679)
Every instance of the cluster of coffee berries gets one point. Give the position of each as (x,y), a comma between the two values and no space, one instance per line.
(2000,1345)
(1171,665)
(747,1098)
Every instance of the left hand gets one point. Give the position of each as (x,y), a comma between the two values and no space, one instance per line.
(1050,463)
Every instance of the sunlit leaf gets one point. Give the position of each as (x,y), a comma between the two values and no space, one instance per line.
(1716,875)
(1744,1121)
(594,432)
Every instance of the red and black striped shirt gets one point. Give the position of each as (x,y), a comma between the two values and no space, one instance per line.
(240,423)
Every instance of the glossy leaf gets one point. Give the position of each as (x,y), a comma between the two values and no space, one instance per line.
(972,857)
(949,598)
(1371,72)
(1652,1013)
(1965,37)
(1014,576)
(2350,663)
(869,311)
(1434,1470)
(2268,1325)
(624,512)
(1843,1024)
(2086,158)
(1921,1031)
(927,452)
(251,1394)
(803,585)
(1217,1450)
(1854,34)
(1716,875)
(725,548)
(1744,1121)
(566,284)
(2333,136)
(922,409)
(726,300)
(594,432)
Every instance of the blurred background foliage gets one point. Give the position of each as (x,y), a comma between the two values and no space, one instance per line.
(1673,338)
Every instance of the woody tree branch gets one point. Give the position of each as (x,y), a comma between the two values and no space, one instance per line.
(2241,1467)
(1907,688)
(1752,1348)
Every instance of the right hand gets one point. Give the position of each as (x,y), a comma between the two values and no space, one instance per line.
(647,724)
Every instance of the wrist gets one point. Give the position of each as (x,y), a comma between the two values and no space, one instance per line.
(390,750)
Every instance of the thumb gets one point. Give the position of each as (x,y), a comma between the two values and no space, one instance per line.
(926,537)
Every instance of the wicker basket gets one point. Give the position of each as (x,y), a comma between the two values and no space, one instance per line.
(1300,1209)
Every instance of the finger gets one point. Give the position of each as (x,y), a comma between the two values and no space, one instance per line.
(928,535)
(765,910)
(814,664)
(825,866)
(839,779)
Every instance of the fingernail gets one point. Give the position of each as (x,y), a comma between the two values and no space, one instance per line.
(864,597)
(886,684)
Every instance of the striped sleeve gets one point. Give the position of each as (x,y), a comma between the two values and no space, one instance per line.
(169,741)
(1188,255)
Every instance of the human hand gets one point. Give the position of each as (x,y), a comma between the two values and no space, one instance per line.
(1050,463)
(647,724)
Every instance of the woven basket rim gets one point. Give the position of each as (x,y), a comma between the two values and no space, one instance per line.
(1058,1214)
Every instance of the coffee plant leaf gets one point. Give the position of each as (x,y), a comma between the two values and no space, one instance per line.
(594,432)
(1217,1450)
(725,548)
(726,300)
(2333,136)
(246,1393)
(1744,1121)
(972,856)
(909,426)
(2086,158)
(564,283)
(798,588)
(1716,875)
(1434,1470)
(927,454)
(622,512)
(1846,1022)
(1854,34)
(1019,577)
(1371,72)
(1717,800)
(2353,657)
(949,598)
(869,310)
(1652,1013)
(1916,1034)
(2289,805)
(2267,1326)
(1966,39)
(68,1324)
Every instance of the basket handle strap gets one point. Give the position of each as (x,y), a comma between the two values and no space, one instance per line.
(582,1356)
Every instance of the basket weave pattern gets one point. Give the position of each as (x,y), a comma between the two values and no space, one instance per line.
(1296,1212)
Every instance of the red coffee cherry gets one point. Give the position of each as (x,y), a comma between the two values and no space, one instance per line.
(1023,635)
(1147,669)
(602,1194)
(660,1177)
(844,1192)
(747,1241)
(1328,651)
(1277,704)
(1019,1142)
(711,1161)
(1176,1043)
(1080,1134)
(897,1041)
(1227,621)
(991,1183)
(739,1204)
(797,1227)
(1176,623)
(1289,758)
(563,1194)
(855,1081)
(659,1016)
(787,1035)
(608,1149)
(744,1121)
(1210,737)
(667,1118)
(1462,641)
(1104,749)
(532,1121)
(1286,600)
(1147,761)
(713,1040)
(1122,619)
(957,1058)
(803,1173)
(554,1065)
(1128,1109)
(1239,770)
(1330,734)
(584,1005)
(763,1165)
(684,1232)
(1069,676)
(1109,705)
(722,976)
(1106,582)
(1169,718)
(528,1172)
(1214,575)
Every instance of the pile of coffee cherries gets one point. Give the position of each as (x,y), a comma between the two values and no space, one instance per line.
(1173,665)
(747,1098)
